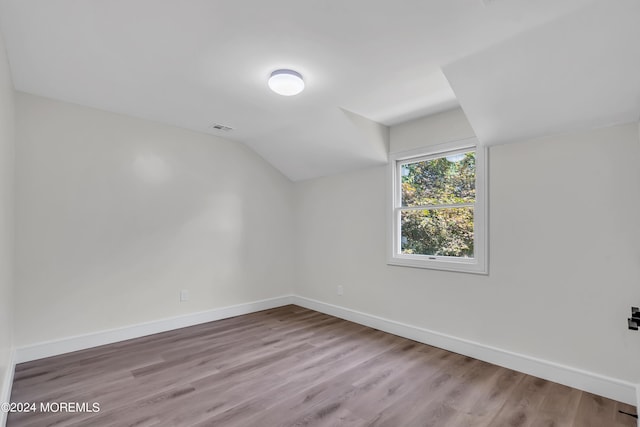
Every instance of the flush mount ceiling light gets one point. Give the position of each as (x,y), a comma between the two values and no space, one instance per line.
(286,82)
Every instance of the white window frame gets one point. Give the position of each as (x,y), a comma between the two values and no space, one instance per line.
(480,262)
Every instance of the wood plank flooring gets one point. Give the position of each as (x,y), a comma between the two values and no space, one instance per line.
(295,367)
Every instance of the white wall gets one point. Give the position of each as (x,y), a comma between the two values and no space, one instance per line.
(564,253)
(7,144)
(115,215)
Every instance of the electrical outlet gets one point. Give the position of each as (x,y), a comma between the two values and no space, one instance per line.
(184,295)
(340,290)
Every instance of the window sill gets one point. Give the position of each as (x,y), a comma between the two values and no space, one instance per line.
(472,266)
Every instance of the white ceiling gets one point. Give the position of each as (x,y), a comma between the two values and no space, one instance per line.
(366,63)
(582,70)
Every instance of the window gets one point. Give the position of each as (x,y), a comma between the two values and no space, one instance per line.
(438,215)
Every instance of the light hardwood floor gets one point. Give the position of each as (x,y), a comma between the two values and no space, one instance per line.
(295,367)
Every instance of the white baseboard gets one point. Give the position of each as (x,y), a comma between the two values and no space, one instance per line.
(612,388)
(5,391)
(81,342)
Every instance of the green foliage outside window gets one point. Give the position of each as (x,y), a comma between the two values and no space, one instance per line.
(434,230)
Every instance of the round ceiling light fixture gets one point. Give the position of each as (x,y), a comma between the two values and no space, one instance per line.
(286,82)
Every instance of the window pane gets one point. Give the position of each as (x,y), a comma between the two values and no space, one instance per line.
(443,232)
(446,180)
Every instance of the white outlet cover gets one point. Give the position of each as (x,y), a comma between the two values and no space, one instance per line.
(184,295)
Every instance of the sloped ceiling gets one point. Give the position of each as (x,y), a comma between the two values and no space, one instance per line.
(367,64)
(581,70)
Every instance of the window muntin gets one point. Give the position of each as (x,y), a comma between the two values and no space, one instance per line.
(438,216)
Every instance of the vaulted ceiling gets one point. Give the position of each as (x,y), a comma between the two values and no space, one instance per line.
(518,68)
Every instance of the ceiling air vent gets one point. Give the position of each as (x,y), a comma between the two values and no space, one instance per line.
(218,126)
